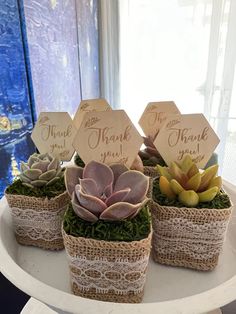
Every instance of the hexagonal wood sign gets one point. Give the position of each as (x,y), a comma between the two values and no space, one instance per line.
(54,133)
(186,134)
(88,105)
(108,137)
(154,116)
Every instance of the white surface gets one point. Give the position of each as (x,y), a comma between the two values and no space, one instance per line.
(33,306)
(45,276)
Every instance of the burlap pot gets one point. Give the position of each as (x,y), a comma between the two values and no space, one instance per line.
(108,270)
(188,237)
(37,221)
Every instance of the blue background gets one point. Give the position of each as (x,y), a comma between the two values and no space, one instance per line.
(49,61)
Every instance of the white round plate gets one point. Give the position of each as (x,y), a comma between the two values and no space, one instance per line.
(44,275)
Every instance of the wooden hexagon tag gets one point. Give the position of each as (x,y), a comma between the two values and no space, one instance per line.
(108,137)
(87,106)
(154,117)
(187,134)
(54,133)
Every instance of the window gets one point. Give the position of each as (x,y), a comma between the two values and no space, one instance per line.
(181,50)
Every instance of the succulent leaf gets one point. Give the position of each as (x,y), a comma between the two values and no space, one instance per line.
(82,212)
(23,166)
(166,188)
(89,186)
(92,203)
(32,174)
(39,183)
(217,181)
(99,173)
(119,211)
(72,176)
(176,187)
(192,171)
(49,175)
(53,164)
(208,195)
(164,171)
(207,176)
(137,182)
(117,170)
(186,163)
(118,196)
(194,182)
(189,198)
(178,174)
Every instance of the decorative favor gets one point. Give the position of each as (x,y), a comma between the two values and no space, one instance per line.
(107,232)
(54,133)
(38,200)
(155,115)
(190,213)
(187,134)
(108,137)
(151,121)
(84,107)
(89,105)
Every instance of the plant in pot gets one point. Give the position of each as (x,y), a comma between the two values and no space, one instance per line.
(107,232)
(150,158)
(38,200)
(190,214)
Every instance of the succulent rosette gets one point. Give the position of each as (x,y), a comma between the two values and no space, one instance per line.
(111,193)
(40,170)
(150,155)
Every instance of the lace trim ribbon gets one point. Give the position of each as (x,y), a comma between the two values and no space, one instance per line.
(181,235)
(44,225)
(120,276)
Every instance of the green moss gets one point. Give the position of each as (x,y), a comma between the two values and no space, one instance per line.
(78,161)
(127,230)
(220,201)
(46,191)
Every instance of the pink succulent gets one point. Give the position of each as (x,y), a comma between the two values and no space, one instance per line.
(108,193)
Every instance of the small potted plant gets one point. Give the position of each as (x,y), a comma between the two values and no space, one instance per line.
(190,214)
(150,158)
(107,232)
(38,200)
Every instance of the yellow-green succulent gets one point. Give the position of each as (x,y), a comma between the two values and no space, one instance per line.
(188,183)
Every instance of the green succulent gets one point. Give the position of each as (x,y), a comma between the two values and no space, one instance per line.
(188,183)
(40,170)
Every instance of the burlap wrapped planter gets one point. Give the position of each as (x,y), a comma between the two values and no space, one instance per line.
(108,270)
(188,237)
(37,221)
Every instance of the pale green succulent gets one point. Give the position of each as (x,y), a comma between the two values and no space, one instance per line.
(40,170)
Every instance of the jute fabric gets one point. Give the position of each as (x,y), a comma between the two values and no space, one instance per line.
(108,270)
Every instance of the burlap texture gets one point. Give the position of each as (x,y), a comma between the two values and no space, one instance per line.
(24,203)
(112,252)
(206,229)
(150,171)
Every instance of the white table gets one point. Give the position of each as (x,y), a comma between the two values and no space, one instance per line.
(45,276)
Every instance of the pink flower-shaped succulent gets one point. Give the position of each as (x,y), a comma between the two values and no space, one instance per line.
(108,193)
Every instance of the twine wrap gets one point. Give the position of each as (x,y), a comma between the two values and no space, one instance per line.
(37,221)
(188,237)
(108,270)
(150,171)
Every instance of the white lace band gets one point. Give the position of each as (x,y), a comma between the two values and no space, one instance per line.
(38,225)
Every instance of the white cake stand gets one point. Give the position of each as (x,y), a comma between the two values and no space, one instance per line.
(44,275)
